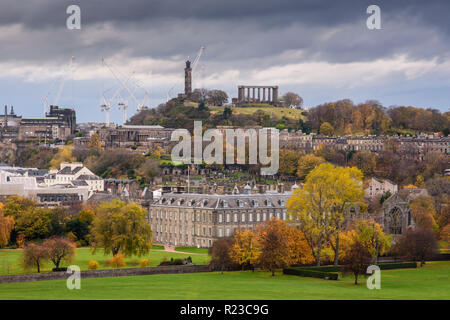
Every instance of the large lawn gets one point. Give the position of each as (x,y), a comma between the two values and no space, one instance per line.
(429,282)
(9,259)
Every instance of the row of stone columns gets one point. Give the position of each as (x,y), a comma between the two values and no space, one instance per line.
(253,94)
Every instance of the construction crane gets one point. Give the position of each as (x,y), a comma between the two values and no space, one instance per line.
(195,63)
(123,85)
(63,81)
(168,93)
(105,104)
(123,105)
(106,107)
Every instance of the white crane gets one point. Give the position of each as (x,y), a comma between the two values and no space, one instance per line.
(123,85)
(197,58)
(168,93)
(123,105)
(70,69)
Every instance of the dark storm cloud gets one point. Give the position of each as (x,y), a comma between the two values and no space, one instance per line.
(234,31)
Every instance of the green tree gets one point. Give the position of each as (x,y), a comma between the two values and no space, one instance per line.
(326,129)
(121,227)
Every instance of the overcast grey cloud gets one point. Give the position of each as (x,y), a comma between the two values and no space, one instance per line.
(321,49)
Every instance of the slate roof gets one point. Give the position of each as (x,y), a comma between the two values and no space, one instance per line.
(216,201)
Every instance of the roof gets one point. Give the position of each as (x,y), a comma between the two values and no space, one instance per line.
(88,177)
(228,201)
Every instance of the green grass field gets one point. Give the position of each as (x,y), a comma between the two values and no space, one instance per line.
(9,259)
(191,249)
(429,282)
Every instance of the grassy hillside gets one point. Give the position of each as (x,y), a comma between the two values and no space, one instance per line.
(267,109)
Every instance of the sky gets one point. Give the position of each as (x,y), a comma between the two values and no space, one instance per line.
(321,50)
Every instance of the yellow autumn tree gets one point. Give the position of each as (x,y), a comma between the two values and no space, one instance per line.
(244,250)
(307,163)
(95,143)
(320,206)
(64,154)
(372,236)
(6,226)
(121,227)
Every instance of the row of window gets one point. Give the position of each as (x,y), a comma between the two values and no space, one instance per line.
(221,217)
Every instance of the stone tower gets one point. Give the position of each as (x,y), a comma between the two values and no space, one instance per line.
(188,79)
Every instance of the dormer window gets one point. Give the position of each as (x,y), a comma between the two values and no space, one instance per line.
(268,203)
(240,203)
(255,203)
(225,204)
(204,202)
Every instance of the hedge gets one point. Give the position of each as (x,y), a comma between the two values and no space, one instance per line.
(331,272)
(310,273)
(397,265)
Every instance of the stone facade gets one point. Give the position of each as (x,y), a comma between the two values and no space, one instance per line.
(197,220)
(411,147)
(142,137)
(377,187)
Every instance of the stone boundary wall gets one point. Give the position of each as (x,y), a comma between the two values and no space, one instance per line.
(105,273)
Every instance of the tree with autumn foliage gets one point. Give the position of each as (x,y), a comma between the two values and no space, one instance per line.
(298,247)
(34,255)
(320,207)
(121,227)
(64,154)
(6,226)
(417,243)
(95,144)
(424,213)
(220,254)
(244,250)
(307,163)
(274,238)
(356,260)
(60,249)
(371,235)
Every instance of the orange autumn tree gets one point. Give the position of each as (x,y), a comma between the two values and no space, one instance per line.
(298,247)
(279,245)
(244,250)
(6,226)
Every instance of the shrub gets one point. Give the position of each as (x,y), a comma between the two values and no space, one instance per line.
(144,263)
(310,273)
(93,265)
(118,261)
(399,265)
